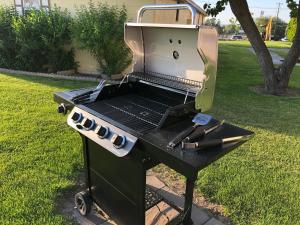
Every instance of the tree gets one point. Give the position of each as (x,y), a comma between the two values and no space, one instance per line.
(291,29)
(215,23)
(276,79)
(278,28)
(8,46)
(233,27)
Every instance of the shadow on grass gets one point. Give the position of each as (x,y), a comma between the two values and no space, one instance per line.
(65,205)
(54,82)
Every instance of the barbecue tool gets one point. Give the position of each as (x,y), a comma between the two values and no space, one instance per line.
(172,144)
(201,132)
(199,120)
(89,96)
(213,143)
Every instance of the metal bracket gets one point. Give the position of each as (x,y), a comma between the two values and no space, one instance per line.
(186,96)
(122,81)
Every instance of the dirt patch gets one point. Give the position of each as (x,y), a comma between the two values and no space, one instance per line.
(291,93)
(176,182)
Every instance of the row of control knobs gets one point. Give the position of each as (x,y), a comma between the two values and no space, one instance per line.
(118,141)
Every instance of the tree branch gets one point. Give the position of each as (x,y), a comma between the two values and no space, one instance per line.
(241,11)
(290,61)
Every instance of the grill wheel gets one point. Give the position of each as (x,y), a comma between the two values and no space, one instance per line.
(83,203)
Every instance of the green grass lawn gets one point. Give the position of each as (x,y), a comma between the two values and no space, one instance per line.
(259,183)
(39,154)
(270,44)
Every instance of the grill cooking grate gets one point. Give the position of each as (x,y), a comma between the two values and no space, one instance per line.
(134,111)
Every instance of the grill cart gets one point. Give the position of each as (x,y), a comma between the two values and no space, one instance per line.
(127,128)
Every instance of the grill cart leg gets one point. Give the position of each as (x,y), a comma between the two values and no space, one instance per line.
(184,218)
(188,203)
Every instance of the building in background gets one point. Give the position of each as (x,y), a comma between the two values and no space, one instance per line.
(87,64)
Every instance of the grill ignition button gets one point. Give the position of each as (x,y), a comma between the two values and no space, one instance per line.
(89,124)
(118,141)
(103,132)
(77,117)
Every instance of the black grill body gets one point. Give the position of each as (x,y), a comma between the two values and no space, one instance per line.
(116,184)
(154,116)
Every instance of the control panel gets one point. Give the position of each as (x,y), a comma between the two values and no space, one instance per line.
(112,138)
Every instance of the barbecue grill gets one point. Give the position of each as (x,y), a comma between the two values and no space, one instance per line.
(126,126)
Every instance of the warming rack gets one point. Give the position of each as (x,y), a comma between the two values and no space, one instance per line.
(175,82)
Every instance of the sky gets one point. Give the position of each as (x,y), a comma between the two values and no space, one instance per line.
(267,7)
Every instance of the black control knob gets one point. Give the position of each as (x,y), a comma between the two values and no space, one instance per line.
(103,132)
(89,124)
(76,117)
(118,141)
(62,109)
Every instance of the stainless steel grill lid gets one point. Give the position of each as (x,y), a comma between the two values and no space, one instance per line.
(179,57)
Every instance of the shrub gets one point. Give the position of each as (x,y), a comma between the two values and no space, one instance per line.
(43,37)
(8,46)
(291,29)
(100,30)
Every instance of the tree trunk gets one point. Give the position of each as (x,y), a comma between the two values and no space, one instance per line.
(275,79)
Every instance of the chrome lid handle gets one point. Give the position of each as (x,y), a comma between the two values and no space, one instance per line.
(167,7)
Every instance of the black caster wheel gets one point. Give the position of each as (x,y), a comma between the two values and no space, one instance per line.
(83,203)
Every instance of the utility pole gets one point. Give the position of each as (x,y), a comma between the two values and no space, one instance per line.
(277,17)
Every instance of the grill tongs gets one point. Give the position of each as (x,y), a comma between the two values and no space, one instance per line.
(89,96)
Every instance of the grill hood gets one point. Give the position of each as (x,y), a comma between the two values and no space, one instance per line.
(179,57)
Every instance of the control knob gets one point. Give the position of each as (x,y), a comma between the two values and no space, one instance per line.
(103,132)
(118,141)
(89,124)
(76,117)
(62,109)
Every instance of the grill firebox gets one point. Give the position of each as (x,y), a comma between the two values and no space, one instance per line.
(140,107)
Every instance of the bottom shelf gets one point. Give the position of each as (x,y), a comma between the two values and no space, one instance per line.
(152,198)
(177,220)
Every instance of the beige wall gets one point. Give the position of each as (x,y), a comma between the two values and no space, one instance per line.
(131,5)
(7,2)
